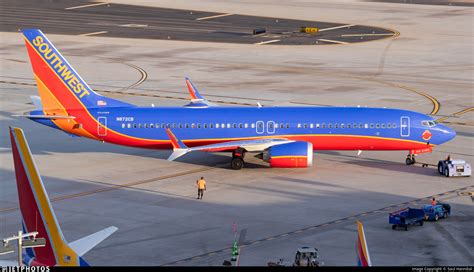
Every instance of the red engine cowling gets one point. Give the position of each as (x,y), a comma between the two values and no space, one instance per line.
(291,155)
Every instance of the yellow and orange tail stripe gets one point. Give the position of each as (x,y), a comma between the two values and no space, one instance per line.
(363,258)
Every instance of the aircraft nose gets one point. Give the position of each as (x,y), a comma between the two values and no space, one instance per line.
(448,133)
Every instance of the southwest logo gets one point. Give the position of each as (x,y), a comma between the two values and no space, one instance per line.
(426,135)
(60,67)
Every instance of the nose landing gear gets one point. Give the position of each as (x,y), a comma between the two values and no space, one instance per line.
(410,159)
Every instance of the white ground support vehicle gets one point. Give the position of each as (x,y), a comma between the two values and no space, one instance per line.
(454,168)
(305,256)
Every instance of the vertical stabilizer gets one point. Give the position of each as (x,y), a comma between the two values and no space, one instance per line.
(36,209)
(363,257)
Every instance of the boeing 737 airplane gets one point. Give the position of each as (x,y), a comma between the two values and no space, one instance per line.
(38,215)
(282,136)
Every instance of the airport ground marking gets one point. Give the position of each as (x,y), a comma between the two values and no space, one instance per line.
(267,42)
(441,120)
(434,101)
(120,186)
(336,27)
(316,226)
(118,92)
(332,41)
(88,5)
(435,109)
(143,76)
(363,35)
(134,25)
(93,33)
(214,16)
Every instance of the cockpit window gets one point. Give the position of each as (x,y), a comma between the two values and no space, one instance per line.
(428,123)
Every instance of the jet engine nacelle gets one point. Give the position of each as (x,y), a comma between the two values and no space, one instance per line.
(291,155)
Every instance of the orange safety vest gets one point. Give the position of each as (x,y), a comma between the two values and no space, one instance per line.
(201,184)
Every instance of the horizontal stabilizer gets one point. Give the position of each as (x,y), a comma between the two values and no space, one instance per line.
(197,100)
(37,102)
(83,245)
(45,116)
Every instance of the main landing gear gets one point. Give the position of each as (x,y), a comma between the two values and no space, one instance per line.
(237,162)
(410,159)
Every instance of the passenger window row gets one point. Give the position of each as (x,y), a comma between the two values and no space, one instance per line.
(246,125)
(342,125)
(186,125)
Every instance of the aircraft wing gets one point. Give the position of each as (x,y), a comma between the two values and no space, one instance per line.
(254,145)
(83,245)
(197,100)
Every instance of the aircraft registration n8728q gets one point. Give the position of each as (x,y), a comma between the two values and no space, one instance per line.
(282,136)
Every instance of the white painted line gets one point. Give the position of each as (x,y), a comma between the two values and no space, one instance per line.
(266,42)
(336,27)
(93,33)
(360,35)
(332,41)
(215,16)
(134,25)
(90,5)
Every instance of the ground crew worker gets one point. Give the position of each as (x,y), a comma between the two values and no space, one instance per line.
(201,184)
(433,201)
(448,158)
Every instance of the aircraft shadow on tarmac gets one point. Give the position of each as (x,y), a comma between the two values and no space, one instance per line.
(383,164)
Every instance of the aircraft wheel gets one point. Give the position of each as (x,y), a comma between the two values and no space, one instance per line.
(440,168)
(409,161)
(237,163)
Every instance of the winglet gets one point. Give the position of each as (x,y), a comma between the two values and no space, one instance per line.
(179,148)
(193,91)
(177,144)
(363,257)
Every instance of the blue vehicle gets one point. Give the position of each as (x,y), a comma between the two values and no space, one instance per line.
(405,217)
(435,212)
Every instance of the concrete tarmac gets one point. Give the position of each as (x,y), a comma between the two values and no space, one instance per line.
(128,21)
(153,201)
